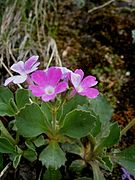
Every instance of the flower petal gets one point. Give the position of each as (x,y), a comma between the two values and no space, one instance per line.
(65,72)
(36,90)
(30,62)
(9,80)
(19,79)
(47,98)
(75,79)
(18,67)
(61,87)
(34,68)
(54,75)
(89,81)
(80,72)
(40,78)
(90,93)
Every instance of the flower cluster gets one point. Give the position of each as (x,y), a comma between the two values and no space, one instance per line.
(52,81)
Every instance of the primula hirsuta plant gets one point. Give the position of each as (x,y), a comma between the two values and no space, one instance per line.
(59,112)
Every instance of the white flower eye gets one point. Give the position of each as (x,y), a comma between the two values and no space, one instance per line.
(79,89)
(49,90)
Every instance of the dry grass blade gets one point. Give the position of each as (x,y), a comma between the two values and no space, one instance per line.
(5,169)
(53,47)
(24,31)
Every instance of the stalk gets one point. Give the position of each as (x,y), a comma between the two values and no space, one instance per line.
(54,111)
(125,129)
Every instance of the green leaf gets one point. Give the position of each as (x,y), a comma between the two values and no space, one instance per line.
(52,156)
(22,98)
(78,124)
(6,110)
(12,125)
(52,174)
(4,133)
(97,174)
(77,166)
(107,163)
(96,129)
(104,132)
(18,150)
(126,158)
(5,98)
(5,95)
(6,146)
(13,106)
(73,147)
(70,105)
(111,138)
(31,121)
(17,160)
(30,154)
(30,144)
(47,111)
(39,141)
(102,108)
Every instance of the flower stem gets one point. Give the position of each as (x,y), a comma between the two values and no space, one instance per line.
(125,129)
(97,174)
(62,103)
(54,119)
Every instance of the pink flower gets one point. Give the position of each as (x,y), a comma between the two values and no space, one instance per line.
(24,69)
(83,86)
(47,84)
(65,72)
